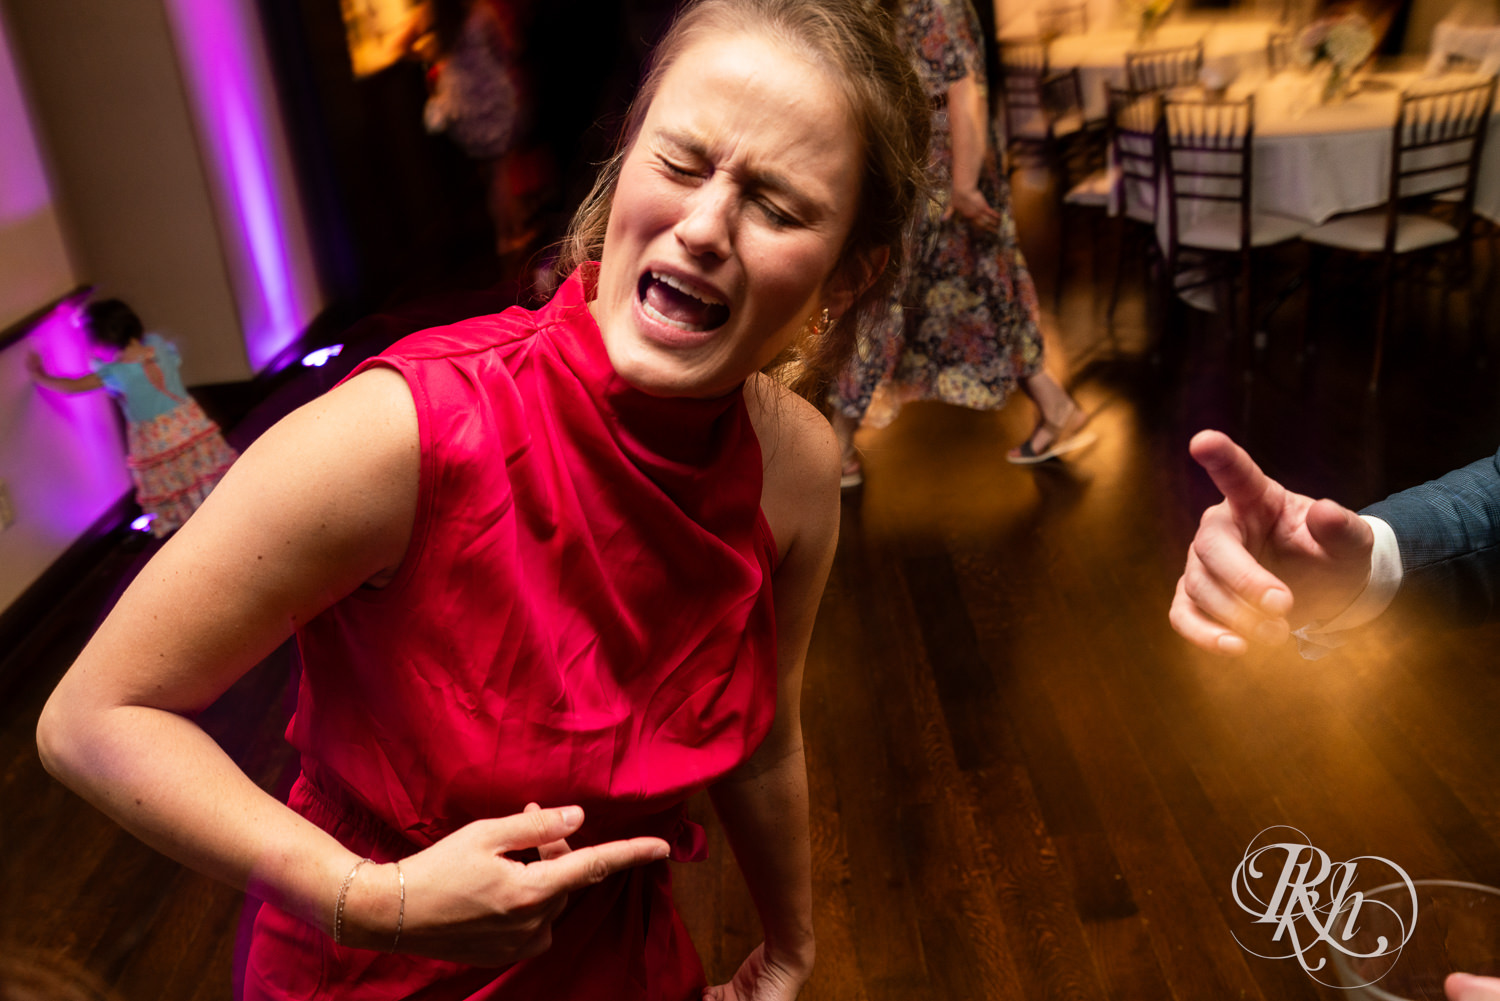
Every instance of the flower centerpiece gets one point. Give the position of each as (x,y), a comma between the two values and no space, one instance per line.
(1336,46)
(1150,14)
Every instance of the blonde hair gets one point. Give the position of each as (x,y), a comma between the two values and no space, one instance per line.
(855,41)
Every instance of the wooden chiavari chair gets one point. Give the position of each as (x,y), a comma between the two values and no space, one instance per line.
(1437,144)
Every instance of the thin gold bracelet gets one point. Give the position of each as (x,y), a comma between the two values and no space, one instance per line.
(338,908)
(401,914)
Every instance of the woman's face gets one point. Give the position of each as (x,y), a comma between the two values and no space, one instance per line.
(731,211)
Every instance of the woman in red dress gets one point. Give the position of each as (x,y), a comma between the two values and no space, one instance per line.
(550,572)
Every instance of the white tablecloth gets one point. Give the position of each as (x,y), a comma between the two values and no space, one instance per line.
(1313,161)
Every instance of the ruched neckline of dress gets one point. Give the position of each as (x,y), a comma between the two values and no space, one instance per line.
(659,433)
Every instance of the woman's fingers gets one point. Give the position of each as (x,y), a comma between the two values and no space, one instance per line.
(586,866)
(983,216)
(568,869)
(552,849)
(534,828)
(974,209)
(463,910)
(561,869)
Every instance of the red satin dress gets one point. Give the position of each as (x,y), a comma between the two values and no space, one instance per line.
(583,615)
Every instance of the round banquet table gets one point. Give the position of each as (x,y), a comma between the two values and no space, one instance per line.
(1313,161)
(1231,48)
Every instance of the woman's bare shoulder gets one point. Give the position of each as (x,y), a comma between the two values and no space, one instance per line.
(336,478)
(363,431)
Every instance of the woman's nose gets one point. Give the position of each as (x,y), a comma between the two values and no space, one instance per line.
(707,225)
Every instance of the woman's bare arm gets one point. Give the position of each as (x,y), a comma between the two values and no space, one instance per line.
(966,121)
(320,504)
(763,805)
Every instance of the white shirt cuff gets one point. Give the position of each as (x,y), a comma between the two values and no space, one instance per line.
(1316,638)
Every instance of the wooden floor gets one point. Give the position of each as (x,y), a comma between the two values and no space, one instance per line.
(1024,785)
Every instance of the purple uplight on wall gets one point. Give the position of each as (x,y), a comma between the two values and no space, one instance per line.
(23,185)
(219,49)
(257,206)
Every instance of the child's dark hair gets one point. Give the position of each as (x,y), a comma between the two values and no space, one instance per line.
(113,323)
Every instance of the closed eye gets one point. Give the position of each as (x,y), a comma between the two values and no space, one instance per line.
(678,169)
(775,216)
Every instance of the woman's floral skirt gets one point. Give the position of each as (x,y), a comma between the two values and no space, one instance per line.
(175,460)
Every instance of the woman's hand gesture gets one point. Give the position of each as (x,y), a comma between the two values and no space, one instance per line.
(759,979)
(467,902)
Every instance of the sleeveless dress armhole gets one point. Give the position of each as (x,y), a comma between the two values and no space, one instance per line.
(767,538)
(416,547)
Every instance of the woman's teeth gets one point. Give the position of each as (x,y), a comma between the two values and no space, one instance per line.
(682,287)
(667,299)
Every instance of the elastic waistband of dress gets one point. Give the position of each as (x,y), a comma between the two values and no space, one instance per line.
(355,827)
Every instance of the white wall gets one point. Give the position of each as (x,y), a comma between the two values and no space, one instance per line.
(62,461)
(135,201)
(34,264)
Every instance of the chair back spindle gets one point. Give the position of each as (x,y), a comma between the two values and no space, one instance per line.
(1023,68)
(1436,149)
(1164,69)
(1207,158)
(1035,102)
(1134,124)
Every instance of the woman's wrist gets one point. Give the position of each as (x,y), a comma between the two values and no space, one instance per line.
(795,956)
(373,911)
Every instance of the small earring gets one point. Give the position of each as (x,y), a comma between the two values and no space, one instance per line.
(824,322)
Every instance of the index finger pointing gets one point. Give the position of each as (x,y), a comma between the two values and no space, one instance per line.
(586,866)
(1236,475)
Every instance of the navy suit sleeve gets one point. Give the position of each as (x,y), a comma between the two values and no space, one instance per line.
(1449,534)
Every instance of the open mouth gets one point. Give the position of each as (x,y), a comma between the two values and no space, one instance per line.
(669,300)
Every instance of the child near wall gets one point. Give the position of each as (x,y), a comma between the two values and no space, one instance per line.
(176,453)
